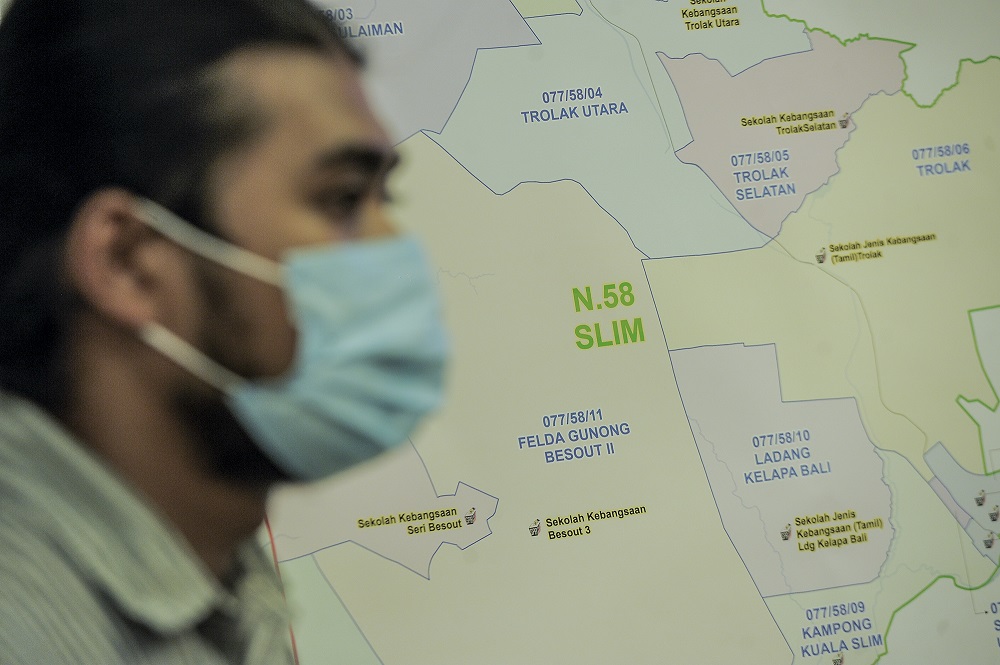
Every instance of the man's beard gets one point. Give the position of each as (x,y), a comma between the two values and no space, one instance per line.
(228,451)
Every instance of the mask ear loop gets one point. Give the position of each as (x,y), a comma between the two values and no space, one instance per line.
(218,251)
(188,357)
(208,246)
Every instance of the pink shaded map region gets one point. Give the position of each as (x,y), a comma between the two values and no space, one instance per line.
(766,137)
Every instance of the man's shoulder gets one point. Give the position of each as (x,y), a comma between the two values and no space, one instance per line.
(48,612)
(38,514)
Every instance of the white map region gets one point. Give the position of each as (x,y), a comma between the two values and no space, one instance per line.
(419,55)
(943,33)
(986,328)
(615,144)
(826,475)
(386,493)
(976,497)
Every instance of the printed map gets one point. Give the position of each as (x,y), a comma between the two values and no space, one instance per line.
(721,281)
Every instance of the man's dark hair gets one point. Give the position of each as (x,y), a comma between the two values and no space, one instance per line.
(97,93)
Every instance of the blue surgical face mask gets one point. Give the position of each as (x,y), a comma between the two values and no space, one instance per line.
(370,353)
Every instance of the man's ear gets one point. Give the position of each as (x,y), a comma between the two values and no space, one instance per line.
(114,260)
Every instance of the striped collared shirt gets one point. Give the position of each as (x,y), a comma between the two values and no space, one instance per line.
(91,574)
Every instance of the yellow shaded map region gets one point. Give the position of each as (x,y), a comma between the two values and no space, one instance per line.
(914,215)
(907,236)
(507,267)
(766,296)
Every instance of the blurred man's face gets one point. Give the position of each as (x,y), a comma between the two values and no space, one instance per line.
(316,176)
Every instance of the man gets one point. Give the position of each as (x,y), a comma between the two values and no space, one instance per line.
(200,297)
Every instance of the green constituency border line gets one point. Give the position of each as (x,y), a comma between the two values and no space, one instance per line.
(910,46)
(982,448)
(937,579)
(920,593)
(992,409)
